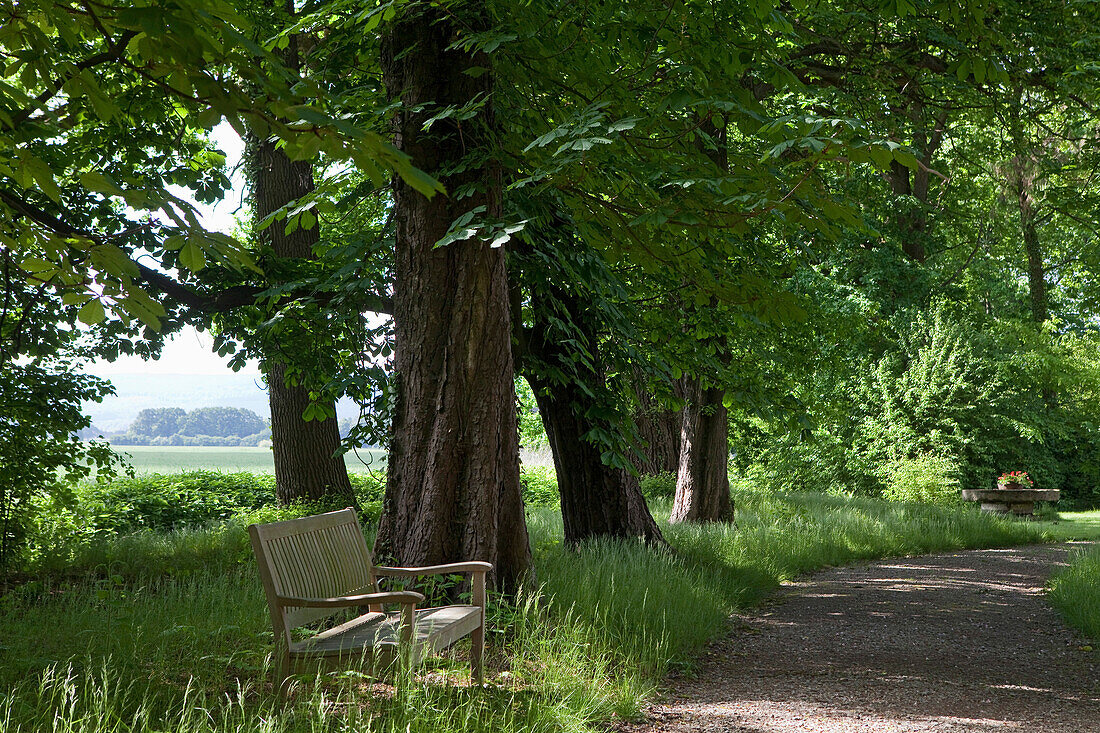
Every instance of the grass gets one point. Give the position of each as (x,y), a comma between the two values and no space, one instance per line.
(1074,526)
(170,459)
(1075,591)
(169,631)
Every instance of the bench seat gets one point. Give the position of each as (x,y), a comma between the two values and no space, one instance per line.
(433,629)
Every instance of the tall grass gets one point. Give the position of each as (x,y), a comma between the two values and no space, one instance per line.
(1075,591)
(169,631)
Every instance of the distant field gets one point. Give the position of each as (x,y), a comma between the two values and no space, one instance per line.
(171,459)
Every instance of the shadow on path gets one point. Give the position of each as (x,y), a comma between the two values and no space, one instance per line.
(955,642)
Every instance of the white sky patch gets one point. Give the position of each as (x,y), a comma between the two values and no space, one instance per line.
(188,352)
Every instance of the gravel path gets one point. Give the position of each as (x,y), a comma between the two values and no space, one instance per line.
(955,642)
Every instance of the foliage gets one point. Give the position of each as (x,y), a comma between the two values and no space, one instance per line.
(41,458)
(532,435)
(204,426)
(926,479)
(935,381)
(1014,477)
(658,486)
(94,514)
(221,421)
(539,486)
(152,74)
(158,421)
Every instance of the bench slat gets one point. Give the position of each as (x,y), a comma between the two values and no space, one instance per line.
(433,629)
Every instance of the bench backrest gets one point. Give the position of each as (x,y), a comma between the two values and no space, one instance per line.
(314,557)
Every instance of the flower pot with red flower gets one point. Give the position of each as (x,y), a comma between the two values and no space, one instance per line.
(1014,481)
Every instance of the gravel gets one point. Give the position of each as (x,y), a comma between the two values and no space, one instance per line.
(947,643)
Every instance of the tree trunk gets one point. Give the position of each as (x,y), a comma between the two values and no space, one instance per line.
(306,464)
(597,500)
(1036,272)
(912,222)
(660,430)
(306,467)
(702,483)
(1029,230)
(453,489)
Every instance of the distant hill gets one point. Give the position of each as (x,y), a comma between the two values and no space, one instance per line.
(135,392)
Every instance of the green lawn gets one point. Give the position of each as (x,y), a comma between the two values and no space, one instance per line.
(155,631)
(172,459)
(1074,525)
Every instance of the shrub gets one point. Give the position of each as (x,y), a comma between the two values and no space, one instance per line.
(659,485)
(40,455)
(927,479)
(539,485)
(368,487)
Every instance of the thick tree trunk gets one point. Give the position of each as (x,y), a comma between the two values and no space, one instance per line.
(453,488)
(306,467)
(597,500)
(912,223)
(702,483)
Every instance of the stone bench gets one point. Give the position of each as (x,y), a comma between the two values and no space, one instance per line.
(1020,502)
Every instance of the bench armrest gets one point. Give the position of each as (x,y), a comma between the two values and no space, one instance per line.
(455,567)
(407,597)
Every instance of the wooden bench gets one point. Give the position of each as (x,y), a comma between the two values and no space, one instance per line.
(315,567)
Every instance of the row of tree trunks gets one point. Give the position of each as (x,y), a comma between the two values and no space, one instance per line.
(452,490)
(307,466)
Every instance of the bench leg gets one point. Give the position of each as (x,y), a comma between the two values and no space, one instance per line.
(477,654)
(282,678)
(477,637)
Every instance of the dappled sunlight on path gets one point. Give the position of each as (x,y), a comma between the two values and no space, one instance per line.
(949,643)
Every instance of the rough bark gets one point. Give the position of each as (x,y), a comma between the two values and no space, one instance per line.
(660,430)
(597,500)
(306,464)
(453,489)
(702,483)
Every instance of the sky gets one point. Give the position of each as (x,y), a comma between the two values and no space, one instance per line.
(190,352)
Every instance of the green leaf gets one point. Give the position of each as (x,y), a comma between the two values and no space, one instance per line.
(100,183)
(92,312)
(192,257)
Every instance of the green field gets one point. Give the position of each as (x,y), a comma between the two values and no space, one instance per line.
(1074,525)
(171,459)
